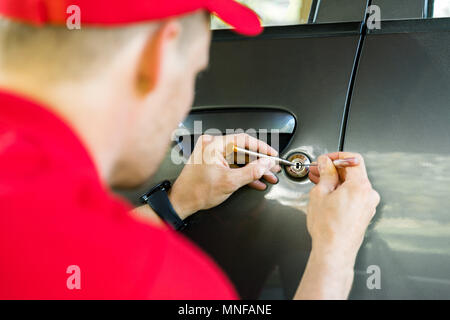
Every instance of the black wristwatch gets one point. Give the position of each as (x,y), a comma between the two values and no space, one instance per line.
(158,199)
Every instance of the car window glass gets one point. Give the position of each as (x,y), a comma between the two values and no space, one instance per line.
(441,8)
(275,12)
(294,12)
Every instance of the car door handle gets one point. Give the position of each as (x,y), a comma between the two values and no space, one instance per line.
(263,122)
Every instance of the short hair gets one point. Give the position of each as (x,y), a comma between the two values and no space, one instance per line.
(57,53)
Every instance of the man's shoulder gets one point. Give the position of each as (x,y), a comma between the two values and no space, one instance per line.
(56,227)
(57,218)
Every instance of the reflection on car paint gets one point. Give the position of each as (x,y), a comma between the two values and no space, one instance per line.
(414,188)
(294,194)
(409,224)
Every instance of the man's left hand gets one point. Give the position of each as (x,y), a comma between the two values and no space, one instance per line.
(207,179)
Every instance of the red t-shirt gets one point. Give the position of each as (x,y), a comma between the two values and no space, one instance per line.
(60,226)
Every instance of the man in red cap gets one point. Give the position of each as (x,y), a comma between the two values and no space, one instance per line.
(83,110)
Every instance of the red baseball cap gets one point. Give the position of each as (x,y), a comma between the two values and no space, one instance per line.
(117,12)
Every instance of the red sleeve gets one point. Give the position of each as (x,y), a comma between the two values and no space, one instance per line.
(187,273)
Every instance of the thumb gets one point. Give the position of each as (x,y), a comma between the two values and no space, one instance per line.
(252,171)
(329,177)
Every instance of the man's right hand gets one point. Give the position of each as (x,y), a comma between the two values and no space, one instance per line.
(341,205)
(340,208)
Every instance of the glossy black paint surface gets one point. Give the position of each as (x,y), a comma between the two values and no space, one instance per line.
(400,120)
(255,234)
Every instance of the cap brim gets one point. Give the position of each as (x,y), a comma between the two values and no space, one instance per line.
(244,20)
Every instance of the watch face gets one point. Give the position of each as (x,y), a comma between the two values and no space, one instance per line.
(165,185)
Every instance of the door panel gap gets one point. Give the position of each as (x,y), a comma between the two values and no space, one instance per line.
(348,98)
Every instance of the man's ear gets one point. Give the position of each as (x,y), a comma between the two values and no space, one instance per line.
(152,57)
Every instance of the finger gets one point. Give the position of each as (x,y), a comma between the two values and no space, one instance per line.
(204,140)
(329,178)
(375,198)
(251,172)
(314,179)
(215,150)
(246,141)
(347,159)
(339,163)
(270,177)
(314,170)
(258,185)
(346,162)
(197,154)
(276,169)
(353,173)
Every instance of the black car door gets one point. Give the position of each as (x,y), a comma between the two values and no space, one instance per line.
(333,84)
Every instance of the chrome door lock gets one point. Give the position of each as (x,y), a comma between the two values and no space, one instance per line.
(299,171)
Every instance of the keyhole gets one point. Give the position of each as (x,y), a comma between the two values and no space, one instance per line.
(297,171)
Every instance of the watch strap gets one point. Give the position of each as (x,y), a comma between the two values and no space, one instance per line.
(158,199)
